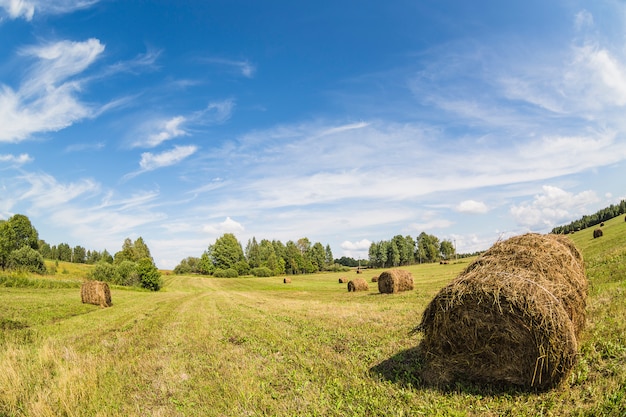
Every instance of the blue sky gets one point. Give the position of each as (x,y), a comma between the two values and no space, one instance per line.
(345,122)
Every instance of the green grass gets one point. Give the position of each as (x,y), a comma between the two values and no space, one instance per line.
(258,347)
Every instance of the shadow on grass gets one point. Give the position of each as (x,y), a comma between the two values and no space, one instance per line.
(409,369)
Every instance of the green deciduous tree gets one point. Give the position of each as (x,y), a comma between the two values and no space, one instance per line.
(149,275)
(15,233)
(226,252)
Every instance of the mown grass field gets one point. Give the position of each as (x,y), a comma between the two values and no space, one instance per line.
(258,347)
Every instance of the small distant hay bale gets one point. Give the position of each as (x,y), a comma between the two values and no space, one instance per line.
(597,233)
(287,281)
(96,292)
(395,280)
(357,284)
(513,317)
(358,271)
(375,278)
(602,224)
(343,280)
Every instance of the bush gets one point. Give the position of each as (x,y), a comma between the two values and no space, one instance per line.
(225,273)
(262,271)
(149,275)
(26,259)
(104,271)
(336,267)
(127,271)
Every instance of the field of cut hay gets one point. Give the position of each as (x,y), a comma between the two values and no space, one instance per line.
(257,347)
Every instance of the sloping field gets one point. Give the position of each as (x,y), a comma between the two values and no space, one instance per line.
(255,347)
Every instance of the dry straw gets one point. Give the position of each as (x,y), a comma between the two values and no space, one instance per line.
(395,280)
(96,292)
(597,233)
(287,281)
(357,284)
(513,316)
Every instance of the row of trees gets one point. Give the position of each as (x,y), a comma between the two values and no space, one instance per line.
(227,257)
(598,217)
(404,250)
(22,250)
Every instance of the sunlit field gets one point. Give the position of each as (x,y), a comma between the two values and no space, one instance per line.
(258,347)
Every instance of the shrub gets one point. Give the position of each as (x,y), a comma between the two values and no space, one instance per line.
(225,273)
(262,271)
(149,275)
(104,271)
(338,268)
(26,259)
(128,275)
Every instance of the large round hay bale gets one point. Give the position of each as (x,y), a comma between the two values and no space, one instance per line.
(597,233)
(395,280)
(512,317)
(357,284)
(96,292)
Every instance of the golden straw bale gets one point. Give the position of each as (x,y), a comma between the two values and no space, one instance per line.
(513,316)
(96,292)
(287,281)
(357,284)
(395,280)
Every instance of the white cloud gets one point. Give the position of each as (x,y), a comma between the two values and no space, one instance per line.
(46,100)
(472,207)
(583,19)
(553,205)
(150,161)
(356,250)
(167,129)
(154,132)
(227,226)
(27,8)
(16,160)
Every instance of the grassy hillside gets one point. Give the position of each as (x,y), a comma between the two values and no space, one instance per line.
(256,346)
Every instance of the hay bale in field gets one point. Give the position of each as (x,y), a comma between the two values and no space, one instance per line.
(395,280)
(512,317)
(287,281)
(375,278)
(96,292)
(357,284)
(343,280)
(597,233)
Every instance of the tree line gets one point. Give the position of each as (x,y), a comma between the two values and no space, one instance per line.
(598,217)
(228,258)
(22,250)
(404,250)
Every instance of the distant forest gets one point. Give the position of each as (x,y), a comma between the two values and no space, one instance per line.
(598,217)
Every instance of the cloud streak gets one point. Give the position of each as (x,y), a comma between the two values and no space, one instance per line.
(47,97)
(151,161)
(26,9)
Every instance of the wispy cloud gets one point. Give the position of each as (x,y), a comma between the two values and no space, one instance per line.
(151,161)
(245,68)
(82,147)
(27,8)
(154,132)
(47,98)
